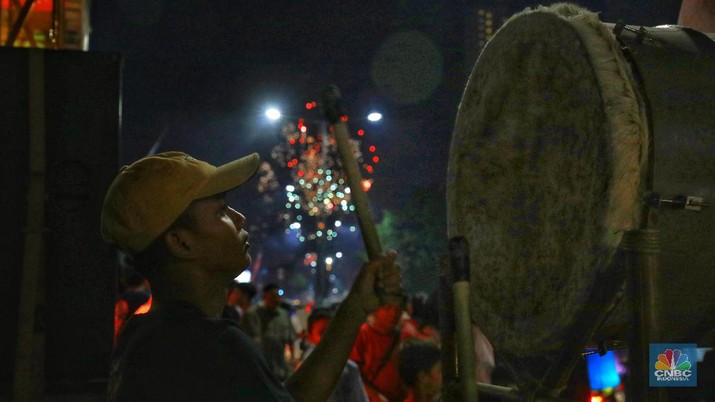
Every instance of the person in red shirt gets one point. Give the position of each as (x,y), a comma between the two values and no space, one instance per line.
(375,353)
(417,321)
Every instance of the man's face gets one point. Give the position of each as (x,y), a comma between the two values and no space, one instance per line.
(236,296)
(218,239)
(271,299)
(242,298)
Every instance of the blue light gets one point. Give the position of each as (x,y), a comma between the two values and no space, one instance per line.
(602,371)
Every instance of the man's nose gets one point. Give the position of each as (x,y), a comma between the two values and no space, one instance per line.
(237,217)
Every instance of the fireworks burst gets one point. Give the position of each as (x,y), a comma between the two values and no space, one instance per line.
(317,197)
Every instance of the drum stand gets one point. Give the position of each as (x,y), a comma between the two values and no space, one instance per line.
(642,251)
(458,356)
(638,255)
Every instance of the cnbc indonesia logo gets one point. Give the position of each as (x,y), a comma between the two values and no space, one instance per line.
(672,367)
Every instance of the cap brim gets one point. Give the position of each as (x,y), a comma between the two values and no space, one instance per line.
(231,175)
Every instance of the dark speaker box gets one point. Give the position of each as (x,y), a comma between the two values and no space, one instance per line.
(82,92)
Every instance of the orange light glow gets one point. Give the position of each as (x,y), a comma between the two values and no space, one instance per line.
(144,308)
(368,168)
(44,6)
(366,185)
(596,398)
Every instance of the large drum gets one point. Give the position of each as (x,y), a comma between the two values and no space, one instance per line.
(567,129)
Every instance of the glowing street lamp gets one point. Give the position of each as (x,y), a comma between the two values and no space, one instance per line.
(374,116)
(273,114)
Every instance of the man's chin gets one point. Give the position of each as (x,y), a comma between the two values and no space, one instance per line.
(245,264)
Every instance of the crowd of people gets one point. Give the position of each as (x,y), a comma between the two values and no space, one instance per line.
(396,356)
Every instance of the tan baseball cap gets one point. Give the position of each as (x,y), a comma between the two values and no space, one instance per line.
(150,194)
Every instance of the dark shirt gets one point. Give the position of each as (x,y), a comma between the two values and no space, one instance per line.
(231,313)
(276,332)
(177,353)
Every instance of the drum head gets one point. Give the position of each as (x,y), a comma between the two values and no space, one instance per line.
(543,175)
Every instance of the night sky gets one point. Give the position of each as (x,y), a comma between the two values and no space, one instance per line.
(202,72)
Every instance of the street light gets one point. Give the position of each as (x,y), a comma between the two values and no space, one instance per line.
(273,114)
(374,116)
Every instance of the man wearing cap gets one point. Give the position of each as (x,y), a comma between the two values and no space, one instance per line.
(168,211)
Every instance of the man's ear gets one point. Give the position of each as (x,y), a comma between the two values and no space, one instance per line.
(178,243)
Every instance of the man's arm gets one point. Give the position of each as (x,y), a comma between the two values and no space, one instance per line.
(316,377)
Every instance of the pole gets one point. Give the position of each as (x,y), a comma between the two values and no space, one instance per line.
(29,361)
(56,32)
(447,330)
(466,360)
(642,247)
(333,111)
(337,118)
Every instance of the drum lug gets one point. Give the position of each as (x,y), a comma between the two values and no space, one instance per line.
(679,201)
(641,33)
